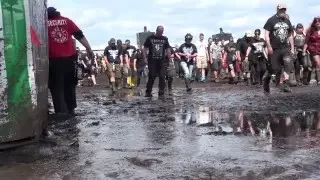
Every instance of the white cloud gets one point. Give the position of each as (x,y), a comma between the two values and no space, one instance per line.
(122,25)
(85,17)
(314,10)
(169,2)
(206,3)
(235,22)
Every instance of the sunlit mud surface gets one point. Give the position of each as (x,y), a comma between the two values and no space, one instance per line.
(223,132)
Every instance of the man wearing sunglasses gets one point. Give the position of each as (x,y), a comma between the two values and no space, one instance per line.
(278,30)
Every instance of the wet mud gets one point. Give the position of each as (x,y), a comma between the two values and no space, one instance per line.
(220,132)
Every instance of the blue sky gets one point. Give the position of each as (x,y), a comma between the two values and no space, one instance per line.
(101,20)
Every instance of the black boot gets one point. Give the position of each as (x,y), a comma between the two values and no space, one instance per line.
(125,83)
(231,80)
(306,76)
(187,82)
(148,94)
(266,83)
(278,78)
(318,76)
(170,80)
(113,88)
(292,80)
(298,79)
(286,86)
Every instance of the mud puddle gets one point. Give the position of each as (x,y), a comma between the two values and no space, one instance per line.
(212,133)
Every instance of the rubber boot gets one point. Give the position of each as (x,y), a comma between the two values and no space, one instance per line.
(231,80)
(292,80)
(133,81)
(125,82)
(187,82)
(286,86)
(278,78)
(170,81)
(318,76)
(118,84)
(298,78)
(266,83)
(128,81)
(306,76)
(113,88)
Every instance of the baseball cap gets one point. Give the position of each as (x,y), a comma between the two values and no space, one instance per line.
(281,6)
(112,41)
(249,34)
(51,9)
(299,25)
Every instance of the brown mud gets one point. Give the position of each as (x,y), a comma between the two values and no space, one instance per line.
(215,132)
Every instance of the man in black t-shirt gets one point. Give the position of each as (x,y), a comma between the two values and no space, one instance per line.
(141,65)
(231,58)
(188,52)
(278,30)
(242,46)
(256,55)
(131,61)
(158,45)
(114,62)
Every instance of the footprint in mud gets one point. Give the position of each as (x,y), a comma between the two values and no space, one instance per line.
(143,163)
(95,123)
(107,103)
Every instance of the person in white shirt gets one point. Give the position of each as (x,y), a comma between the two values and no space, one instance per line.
(202,58)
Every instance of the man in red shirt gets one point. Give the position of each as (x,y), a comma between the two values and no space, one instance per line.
(62,59)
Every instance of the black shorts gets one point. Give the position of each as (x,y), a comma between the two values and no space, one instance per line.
(216,64)
(89,70)
(231,61)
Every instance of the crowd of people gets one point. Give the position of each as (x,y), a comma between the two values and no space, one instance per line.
(287,54)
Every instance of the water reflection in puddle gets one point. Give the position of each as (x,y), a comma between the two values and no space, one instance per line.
(276,126)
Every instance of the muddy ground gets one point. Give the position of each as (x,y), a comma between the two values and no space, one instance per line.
(215,132)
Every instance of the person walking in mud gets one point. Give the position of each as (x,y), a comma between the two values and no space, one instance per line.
(215,59)
(157,45)
(299,41)
(170,70)
(312,44)
(113,58)
(89,66)
(242,47)
(257,57)
(187,52)
(202,57)
(278,31)
(130,57)
(62,59)
(141,65)
(231,58)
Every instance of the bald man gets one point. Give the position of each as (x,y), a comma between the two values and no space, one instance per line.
(157,45)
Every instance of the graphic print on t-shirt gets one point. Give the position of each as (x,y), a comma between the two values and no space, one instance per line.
(299,40)
(60,35)
(157,50)
(281,31)
(258,47)
(130,52)
(216,51)
(187,50)
(113,54)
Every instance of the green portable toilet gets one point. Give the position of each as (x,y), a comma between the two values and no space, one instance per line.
(23,71)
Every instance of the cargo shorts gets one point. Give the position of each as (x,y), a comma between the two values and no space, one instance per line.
(113,71)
